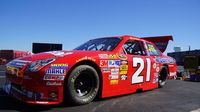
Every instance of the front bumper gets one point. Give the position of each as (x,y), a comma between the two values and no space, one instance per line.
(34,95)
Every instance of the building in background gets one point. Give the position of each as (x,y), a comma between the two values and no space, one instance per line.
(188,63)
(8,55)
(44,47)
(177,49)
(180,56)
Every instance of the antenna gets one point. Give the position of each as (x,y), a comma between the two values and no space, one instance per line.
(189,47)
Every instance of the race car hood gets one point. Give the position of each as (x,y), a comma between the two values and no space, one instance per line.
(60,56)
(46,55)
(17,69)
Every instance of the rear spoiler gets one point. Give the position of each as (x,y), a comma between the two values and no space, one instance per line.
(160,41)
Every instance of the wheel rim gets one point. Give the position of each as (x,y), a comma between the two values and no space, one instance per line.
(84,84)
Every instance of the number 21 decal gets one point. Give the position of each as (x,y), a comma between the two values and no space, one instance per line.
(137,78)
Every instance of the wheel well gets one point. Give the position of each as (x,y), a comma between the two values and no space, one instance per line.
(164,70)
(95,66)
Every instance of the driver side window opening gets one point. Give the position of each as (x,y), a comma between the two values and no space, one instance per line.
(134,47)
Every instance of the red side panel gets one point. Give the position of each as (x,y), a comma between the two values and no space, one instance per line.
(160,41)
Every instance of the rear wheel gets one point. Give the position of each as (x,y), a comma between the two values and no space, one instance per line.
(82,85)
(163,77)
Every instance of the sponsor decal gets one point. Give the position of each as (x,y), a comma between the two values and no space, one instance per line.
(123,77)
(157,69)
(154,65)
(86,58)
(123,72)
(157,60)
(124,62)
(155,79)
(14,71)
(151,48)
(163,60)
(55,71)
(59,66)
(111,77)
(68,53)
(112,56)
(124,67)
(113,63)
(59,53)
(53,95)
(122,56)
(53,83)
(31,94)
(172,61)
(105,70)
(103,63)
(115,71)
(53,77)
(18,63)
(22,61)
(113,82)
(11,70)
(172,74)
(103,56)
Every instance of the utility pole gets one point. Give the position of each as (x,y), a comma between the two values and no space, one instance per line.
(189,47)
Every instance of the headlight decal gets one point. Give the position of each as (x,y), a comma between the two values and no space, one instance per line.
(18,63)
(37,65)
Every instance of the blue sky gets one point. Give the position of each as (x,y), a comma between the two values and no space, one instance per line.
(72,22)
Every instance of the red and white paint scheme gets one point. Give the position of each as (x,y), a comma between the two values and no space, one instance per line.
(102,67)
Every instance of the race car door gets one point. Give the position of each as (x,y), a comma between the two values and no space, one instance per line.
(140,71)
(156,55)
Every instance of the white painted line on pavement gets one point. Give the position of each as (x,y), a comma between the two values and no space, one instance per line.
(197,110)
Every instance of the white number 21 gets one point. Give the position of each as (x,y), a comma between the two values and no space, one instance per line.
(137,77)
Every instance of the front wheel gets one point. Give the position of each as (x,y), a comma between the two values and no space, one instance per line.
(82,85)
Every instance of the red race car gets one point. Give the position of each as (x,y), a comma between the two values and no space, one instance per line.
(102,67)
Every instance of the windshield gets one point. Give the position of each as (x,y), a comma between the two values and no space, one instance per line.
(102,44)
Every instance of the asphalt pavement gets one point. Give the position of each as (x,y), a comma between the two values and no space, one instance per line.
(176,96)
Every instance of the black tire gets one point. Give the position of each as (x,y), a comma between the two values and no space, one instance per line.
(82,85)
(163,75)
